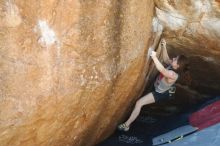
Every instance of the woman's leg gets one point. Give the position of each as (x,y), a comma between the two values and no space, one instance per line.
(147,99)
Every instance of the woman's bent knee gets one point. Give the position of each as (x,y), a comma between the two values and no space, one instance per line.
(147,99)
(139,103)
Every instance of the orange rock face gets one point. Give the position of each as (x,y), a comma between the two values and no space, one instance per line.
(69,69)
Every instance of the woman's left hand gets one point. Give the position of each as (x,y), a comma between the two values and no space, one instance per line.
(153,54)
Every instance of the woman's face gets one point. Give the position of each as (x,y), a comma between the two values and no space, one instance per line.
(174,63)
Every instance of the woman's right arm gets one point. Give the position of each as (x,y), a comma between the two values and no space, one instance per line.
(166,57)
(167,73)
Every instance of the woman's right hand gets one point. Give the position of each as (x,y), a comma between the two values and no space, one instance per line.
(163,43)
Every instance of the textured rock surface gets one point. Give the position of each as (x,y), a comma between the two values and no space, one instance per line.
(192,27)
(69,69)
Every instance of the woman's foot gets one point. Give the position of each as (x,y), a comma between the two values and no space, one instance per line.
(123,127)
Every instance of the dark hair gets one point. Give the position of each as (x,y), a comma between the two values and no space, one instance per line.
(183,63)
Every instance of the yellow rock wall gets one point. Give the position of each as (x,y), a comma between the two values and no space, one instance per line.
(69,69)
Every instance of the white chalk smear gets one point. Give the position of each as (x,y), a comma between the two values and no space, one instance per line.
(173,20)
(157,27)
(48,36)
(12,16)
(212,25)
(202,6)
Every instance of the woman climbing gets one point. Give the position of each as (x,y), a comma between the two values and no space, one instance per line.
(167,78)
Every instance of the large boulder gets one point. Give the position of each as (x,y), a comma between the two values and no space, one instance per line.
(69,69)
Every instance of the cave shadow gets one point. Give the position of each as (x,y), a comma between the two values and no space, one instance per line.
(151,123)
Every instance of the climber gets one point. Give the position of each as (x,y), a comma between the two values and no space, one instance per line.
(167,78)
